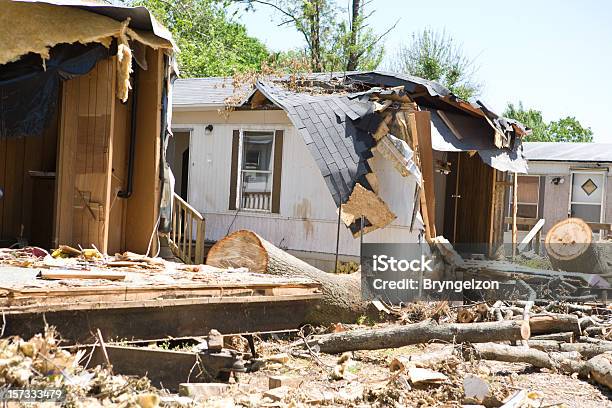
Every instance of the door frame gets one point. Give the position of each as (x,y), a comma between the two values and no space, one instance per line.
(188,130)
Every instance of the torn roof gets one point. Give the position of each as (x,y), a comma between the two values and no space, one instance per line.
(334,141)
(568,152)
(334,114)
(34,26)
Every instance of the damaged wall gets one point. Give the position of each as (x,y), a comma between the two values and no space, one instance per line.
(308,217)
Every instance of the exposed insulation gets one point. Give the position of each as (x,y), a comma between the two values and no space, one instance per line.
(365,202)
(124,64)
(400,155)
(27,27)
(36,27)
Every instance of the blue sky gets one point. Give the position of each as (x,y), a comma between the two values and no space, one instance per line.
(555,56)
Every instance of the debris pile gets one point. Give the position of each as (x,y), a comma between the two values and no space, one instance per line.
(41,363)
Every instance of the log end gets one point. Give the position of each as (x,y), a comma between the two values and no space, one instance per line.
(239,249)
(525,330)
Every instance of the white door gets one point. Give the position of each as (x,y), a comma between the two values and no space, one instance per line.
(587,195)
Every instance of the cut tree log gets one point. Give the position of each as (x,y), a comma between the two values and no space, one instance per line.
(567,337)
(569,247)
(553,323)
(342,300)
(422,332)
(65,274)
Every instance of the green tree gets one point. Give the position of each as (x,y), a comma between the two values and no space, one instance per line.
(211,42)
(331,43)
(435,55)
(566,129)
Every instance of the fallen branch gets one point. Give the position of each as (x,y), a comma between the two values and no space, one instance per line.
(567,362)
(423,332)
(587,350)
(598,368)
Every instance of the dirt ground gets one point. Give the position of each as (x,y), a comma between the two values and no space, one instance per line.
(368,382)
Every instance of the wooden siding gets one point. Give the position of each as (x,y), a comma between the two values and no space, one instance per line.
(83,166)
(23,201)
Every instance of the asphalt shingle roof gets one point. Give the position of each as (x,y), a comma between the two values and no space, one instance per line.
(321,120)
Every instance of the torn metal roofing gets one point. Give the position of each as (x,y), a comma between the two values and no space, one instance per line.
(470,138)
(568,152)
(200,92)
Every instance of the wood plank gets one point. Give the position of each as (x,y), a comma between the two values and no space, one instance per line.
(423,122)
(56,275)
(412,124)
(107,157)
(157,320)
(119,159)
(531,235)
(67,142)
(165,368)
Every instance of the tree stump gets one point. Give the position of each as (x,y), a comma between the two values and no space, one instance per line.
(570,248)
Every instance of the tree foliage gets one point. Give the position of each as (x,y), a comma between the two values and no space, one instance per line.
(566,129)
(331,42)
(211,42)
(435,55)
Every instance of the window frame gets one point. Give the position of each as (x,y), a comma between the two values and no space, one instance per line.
(536,204)
(240,170)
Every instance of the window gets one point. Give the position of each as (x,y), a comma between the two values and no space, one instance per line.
(528,198)
(256,171)
(528,195)
(587,193)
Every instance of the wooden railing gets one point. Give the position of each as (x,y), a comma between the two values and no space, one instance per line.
(256,200)
(187,221)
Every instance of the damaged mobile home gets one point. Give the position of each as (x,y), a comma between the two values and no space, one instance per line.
(289,152)
(85,89)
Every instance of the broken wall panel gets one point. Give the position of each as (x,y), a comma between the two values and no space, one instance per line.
(366,203)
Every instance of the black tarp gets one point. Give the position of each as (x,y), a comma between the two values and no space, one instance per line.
(29,87)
